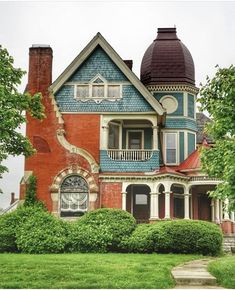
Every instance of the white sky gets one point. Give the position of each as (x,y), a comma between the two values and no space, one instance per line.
(207,28)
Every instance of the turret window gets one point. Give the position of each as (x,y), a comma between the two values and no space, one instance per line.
(170,144)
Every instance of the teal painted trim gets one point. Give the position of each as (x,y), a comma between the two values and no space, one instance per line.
(180,99)
(191,106)
(98,62)
(131,101)
(108,165)
(191,143)
(176,123)
(181,147)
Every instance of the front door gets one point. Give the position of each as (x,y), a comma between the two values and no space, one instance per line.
(204,207)
(135,140)
(138,202)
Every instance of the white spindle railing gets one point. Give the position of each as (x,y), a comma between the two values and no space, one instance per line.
(129,154)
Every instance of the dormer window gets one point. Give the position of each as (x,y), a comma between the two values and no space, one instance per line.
(82,91)
(98,89)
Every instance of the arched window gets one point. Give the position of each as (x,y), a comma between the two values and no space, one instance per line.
(74,196)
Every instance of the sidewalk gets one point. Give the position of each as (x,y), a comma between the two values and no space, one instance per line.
(194,274)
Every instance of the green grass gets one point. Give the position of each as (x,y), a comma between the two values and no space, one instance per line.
(224,270)
(89,270)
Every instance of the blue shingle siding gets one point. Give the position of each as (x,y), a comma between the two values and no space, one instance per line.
(98,62)
(191,143)
(108,165)
(191,106)
(180,99)
(132,101)
(180,123)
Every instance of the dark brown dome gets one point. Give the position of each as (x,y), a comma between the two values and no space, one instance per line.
(167,60)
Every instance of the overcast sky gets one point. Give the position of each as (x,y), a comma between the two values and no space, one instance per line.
(207,28)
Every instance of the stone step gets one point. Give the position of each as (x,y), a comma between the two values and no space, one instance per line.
(193,273)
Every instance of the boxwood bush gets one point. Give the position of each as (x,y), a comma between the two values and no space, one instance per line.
(10,224)
(41,233)
(177,237)
(100,230)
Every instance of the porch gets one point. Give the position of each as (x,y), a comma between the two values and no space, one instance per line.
(176,201)
(129,144)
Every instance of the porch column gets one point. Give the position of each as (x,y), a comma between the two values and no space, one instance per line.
(154,212)
(155,137)
(217,211)
(104,138)
(232,216)
(226,212)
(186,206)
(213,209)
(124,200)
(167,204)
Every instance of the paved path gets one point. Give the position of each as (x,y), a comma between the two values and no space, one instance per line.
(194,274)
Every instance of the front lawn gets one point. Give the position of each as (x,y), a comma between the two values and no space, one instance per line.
(224,270)
(89,270)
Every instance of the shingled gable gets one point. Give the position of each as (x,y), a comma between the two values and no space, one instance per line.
(86,52)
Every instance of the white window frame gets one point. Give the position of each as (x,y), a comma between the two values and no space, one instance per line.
(106,86)
(176,149)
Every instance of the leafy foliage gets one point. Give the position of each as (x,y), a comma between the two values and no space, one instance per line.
(175,237)
(12,107)
(10,224)
(218,98)
(30,195)
(101,230)
(41,233)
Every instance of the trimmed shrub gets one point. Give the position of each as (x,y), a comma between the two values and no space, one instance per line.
(100,230)
(41,233)
(177,237)
(141,240)
(9,225)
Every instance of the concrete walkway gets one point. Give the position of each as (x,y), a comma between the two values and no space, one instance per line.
(194,274)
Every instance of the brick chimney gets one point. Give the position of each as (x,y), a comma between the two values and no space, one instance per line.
(40,68)
(129,63)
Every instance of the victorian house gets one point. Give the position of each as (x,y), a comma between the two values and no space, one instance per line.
(113,140)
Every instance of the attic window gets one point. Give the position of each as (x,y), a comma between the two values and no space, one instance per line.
(98,89)
(82,91)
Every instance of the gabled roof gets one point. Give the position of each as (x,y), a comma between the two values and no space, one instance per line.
(86,52)
(202,119)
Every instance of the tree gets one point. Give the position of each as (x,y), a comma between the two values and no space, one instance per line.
(13,106)
(218,98)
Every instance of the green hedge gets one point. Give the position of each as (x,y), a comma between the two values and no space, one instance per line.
(42,233)
(177,237)
(101,230)
(10,224)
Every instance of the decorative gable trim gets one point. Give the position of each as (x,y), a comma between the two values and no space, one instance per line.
(99,40)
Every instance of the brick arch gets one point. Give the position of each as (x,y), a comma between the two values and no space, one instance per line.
(59,178)
(74,169)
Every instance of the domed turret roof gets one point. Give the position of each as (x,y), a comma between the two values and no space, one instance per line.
(167,61)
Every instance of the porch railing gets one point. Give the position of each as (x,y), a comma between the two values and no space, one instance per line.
(129,154)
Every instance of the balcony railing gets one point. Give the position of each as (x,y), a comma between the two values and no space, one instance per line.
(129,154)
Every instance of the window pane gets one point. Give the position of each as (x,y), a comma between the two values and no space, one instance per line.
(113,136)
(82,91)
(113,91)
(141,199)
(170,156)
(171,141)
(97,91)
